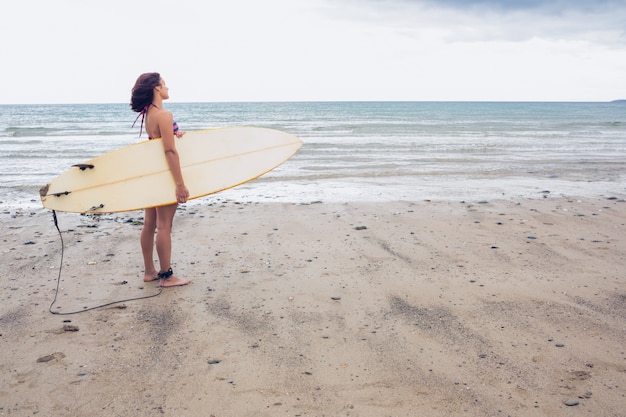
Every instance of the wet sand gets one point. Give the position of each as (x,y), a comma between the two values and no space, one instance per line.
(431,308)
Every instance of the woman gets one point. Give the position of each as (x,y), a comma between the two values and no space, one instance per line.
(147,100)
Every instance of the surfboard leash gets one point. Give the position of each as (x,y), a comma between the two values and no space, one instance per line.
(56,293)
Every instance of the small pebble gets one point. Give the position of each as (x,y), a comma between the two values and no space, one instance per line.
(571,403)
(46,358)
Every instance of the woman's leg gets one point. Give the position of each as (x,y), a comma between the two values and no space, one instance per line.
(147,244)
(164,220)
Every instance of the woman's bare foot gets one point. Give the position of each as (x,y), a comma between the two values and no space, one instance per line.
(174,282)
(148,277)
(169,280)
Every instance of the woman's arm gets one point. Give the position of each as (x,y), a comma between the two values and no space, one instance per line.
(165,121)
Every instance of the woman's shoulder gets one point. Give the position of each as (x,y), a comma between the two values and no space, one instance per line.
(163,114)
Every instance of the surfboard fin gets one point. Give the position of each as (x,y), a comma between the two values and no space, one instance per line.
(83,166)
(43,192)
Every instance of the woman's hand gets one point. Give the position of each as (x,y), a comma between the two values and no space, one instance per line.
(179,134)
(182,194)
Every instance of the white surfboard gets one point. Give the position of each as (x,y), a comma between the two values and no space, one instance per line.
(138,176)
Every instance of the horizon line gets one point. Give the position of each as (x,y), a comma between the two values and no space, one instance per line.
(322,101)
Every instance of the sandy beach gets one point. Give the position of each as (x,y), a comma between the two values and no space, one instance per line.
(426,308)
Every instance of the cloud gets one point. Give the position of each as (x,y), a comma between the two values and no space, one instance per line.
(246,50)
(556,6)
(596,21)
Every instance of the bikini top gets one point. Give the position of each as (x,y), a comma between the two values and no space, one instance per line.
(143,113)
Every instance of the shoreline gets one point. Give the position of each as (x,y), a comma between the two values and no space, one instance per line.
(510,306)
(378,190)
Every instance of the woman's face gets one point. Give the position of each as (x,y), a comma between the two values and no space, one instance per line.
(163,90)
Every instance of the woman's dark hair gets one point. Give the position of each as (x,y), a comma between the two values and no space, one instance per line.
(143,91)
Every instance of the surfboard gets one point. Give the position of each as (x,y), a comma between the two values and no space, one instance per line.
(138,176)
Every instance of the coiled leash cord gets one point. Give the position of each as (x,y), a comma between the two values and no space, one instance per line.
(56,293)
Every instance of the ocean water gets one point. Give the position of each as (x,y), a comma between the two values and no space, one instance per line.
(353,151)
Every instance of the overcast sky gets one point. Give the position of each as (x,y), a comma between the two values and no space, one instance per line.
(84,51)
